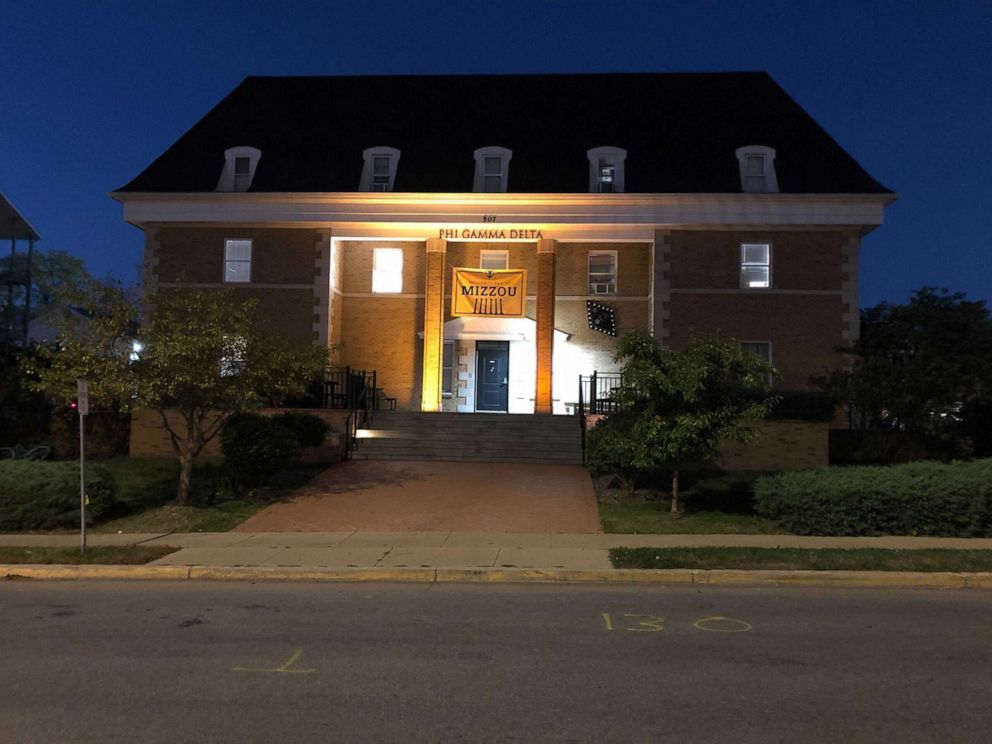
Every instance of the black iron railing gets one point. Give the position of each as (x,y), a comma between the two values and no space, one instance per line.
(338,387)
(362,404)
(598,394)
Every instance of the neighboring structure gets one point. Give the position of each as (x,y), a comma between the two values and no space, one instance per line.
(15,275)
(675,203)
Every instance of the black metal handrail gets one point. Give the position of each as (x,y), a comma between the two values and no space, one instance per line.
(598,394)
(363,402)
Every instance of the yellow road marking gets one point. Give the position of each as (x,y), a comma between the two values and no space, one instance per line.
(285,668)
(736,626)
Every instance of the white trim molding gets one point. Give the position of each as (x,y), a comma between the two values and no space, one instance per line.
(232,178)
(368,180)
(481,175)
(757,167)
(596,181)
(563,216)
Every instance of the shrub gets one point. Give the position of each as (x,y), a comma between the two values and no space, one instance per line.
(310,430)
(610,451)
(43,495)
(255,448)
(921,498)
(804,405)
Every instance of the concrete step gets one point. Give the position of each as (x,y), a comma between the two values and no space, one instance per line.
(492,437)
(360,455)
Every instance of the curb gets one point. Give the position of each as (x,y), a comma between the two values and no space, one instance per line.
(855,579)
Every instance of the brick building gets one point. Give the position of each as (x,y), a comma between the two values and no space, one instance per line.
(675,203)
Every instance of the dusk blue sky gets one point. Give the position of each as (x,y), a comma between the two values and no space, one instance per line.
(93,91)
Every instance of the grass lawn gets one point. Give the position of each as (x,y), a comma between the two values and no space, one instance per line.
(105,555)
(145,489)
(653,518)
(714,503)
(826,559)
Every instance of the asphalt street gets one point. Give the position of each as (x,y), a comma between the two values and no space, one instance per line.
(240,662)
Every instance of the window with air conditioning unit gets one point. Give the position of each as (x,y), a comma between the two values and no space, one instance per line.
(602,272)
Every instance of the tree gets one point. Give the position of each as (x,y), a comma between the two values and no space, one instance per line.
(202,357)
(918,366)
(55,274)
(678,406)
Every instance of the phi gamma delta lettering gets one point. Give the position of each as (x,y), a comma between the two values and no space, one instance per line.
(489,233)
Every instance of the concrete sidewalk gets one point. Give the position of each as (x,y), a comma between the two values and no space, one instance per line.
(464,550)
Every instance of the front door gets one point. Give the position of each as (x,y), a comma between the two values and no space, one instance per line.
(492,375)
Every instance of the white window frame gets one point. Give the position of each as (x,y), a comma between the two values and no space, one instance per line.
(619,156)
(504,255)
(229,261)
(769,182)
(367,181)
(479,182)
(451,376)
(384,279)
(598,286)
(228,179)
(752,264)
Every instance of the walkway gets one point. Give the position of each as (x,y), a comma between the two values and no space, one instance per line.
(403,496)
(359,549)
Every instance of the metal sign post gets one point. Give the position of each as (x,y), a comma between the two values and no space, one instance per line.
(83,407)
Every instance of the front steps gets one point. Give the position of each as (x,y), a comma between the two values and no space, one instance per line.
(471,437)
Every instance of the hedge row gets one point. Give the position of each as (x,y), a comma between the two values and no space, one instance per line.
(44,495)
(920,498)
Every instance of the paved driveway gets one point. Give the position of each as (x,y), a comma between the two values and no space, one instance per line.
(397,496)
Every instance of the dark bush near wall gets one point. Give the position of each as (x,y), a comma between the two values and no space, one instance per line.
(43,495)
(255,449)
(920,498)
(107,433)
(310,430)
(854,447)
(803,405)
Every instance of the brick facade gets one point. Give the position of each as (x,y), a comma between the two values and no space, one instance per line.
(804,315)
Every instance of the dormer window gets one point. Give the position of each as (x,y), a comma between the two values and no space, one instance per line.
(379,171)
(606,170)
(492,166)
(239,168)
(757,167)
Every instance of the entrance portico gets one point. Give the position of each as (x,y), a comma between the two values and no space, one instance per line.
(542,360)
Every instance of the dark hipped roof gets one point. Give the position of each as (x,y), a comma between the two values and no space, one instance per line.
(680,131)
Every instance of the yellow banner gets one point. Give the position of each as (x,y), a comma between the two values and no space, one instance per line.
(489,293)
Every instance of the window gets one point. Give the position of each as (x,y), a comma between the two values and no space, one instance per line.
(237,260)
(757,167)
(762,350)
(380,173)
(232,359)
(492,165)
(242,173)
(494,259)
(756,269)
(448,369)
(492,175)
(240,164)
(606,169)
(602,272)
(379,170)
(387,270)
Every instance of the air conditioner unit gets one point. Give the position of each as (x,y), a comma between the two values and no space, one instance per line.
(603,288)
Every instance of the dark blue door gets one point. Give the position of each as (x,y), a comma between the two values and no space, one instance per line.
(492,375)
